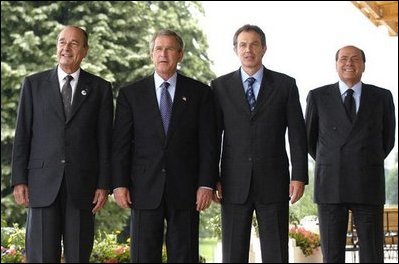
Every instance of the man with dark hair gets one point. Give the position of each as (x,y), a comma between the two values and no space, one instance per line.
(351,130)
(255,106)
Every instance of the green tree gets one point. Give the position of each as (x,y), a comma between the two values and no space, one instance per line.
(119,33)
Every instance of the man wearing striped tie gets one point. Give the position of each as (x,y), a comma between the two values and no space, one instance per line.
(255,107)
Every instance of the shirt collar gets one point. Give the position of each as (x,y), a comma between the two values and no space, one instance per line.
(159,80)
(357,88)
(61,74)
(258,75)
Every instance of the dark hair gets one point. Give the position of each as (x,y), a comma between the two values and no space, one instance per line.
(361,52)
(167,32)
(247,28)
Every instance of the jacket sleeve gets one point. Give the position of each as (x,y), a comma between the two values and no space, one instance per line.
(312,125)
(21,147)
(389,124)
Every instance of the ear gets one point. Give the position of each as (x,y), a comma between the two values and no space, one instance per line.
(86,51)
(181,55)
(264,50)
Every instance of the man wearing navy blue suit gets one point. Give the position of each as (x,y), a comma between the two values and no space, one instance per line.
(349,146)
(61,164)
(255,108)
(164,156)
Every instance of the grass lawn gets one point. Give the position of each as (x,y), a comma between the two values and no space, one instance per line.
(207,247)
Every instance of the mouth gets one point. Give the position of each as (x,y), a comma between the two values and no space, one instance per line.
(66,55)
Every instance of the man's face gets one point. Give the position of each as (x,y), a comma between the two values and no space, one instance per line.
(71,49)
(166,55)
(350,65)
(250,51)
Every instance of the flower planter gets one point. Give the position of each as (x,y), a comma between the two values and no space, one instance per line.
(296,255)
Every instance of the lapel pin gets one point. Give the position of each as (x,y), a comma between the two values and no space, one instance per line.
(184,98)
(83,92)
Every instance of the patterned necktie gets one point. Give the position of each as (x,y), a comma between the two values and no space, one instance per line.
(250,94)
(165,106)
(350,105)
(66,92)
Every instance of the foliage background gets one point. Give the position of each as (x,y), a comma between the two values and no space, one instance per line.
(119,35)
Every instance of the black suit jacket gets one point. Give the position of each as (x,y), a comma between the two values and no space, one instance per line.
(350,158)
(254,143)
(154,165)
(46,144)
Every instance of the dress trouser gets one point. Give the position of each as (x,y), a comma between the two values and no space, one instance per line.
(333,223)
(47,226)
(272,221)
(147,233)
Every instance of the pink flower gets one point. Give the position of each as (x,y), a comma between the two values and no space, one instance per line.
(306,240)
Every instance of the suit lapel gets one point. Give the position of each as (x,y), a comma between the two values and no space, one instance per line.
(333,103)
(266,89)
(55,94)
(82,92)
(180,102)
(149,98)
(236,92)
(365,108)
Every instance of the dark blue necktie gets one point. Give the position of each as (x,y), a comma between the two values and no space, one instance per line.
(165,106)
(66,92)
(350,105)
(250,94)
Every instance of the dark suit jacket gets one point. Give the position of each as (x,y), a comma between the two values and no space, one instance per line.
(46,144)
(254,143)
(350,158)
(153,165)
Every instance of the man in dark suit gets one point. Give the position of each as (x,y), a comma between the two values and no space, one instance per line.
(164,158)
(255,107)
(61,162)
(351,130)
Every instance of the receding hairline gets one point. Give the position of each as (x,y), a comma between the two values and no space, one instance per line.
(363,55)
(82,31)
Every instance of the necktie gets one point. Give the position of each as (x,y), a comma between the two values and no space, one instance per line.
(66,92)
(250,94)
(165,106)
(350,105)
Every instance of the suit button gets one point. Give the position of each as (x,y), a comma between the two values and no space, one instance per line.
(163,170)
(334,128)
(63,161)
(249,159)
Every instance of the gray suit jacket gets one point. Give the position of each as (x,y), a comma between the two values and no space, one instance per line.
(350,157)
(46,144)
(254,147)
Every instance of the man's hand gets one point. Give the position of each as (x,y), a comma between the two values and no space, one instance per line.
(296,190)
(122,197)
(217,196)
(204,198)
(100,198)
(21,194)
